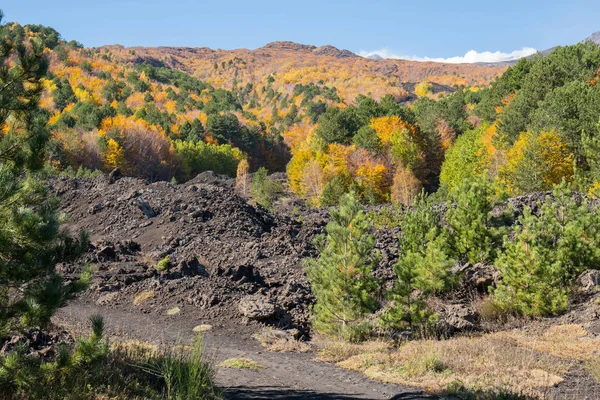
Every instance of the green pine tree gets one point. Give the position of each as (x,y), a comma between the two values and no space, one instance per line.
(476,233)
(423,268)
(31,242)
(342,277)
(264,190)
(549,250)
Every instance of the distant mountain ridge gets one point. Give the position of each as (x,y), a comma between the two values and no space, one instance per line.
(281,65)
(326,50)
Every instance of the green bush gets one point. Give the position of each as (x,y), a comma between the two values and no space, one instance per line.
(264,191)
(164,265)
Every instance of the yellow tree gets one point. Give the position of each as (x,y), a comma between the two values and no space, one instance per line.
(313,182)
(295,168)
(242,180)
(422,89)
(373,179)
(537,162)
(406,187)
(386,126)
(114,157)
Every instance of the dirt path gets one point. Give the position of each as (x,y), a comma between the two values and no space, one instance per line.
(285,375)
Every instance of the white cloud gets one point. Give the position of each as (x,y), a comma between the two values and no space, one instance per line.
(472,56)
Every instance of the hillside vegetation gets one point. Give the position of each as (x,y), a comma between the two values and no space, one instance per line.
(172,113)
(536,125)
(463,199)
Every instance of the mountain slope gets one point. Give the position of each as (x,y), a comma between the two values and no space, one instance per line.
(594,37)
(292,63)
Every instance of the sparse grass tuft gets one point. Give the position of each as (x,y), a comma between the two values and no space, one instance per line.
(490,311)
(278,341)
(202,328)
(173,311)
(185,372)
(241,363)
(143,297)
(135,350)
(330,350)
(592,366)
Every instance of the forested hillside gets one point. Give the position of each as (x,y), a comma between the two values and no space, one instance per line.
(536,125)
(332,118)
(172,113)
(420,202)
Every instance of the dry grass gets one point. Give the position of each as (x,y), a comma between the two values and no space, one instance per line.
(241,363)
(173,311)
(148,260)
(512,362)
(278,341)
(143,297)
(593,367)
(330,350)
(136,350)
(202,328)
(569,342)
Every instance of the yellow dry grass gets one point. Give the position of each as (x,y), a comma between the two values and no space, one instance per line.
(570,342)
(143,297)
(337,350)
(514,361)
(135,349)
(278,341)
(173,311)
(241,363)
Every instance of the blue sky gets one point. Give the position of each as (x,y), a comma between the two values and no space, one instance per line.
(436,29)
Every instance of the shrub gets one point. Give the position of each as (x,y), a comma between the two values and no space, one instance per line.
(264,190)
(164,265)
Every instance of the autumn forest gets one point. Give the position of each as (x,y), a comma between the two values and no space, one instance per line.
(403,219)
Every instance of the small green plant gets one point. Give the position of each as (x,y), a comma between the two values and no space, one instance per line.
(264,190)
(164,265)
(185,373)
(241,363)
